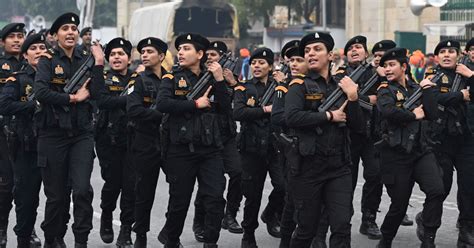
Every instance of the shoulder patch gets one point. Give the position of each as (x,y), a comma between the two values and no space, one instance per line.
(339,71)
(240,87)
(382,85)
(296,81)
(12,79)
(281,88)
(134,75)
(169,76)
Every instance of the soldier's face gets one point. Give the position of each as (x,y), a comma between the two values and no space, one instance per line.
(188,55)
(13,43)
(356,53)
(393,70)
(377,56)
(470,53)
(118,59)
(87,38)
(34,52)
(298,65)
(151,57)
(448,57)
(260,68)
(67,36)
(317,56)
(212,56)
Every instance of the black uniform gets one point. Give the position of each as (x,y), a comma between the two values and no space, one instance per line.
(259,154)
(65,144)
(22,148)
(322,176)
(406,157)
(145,146)
(111,147)
(193,151)
(8,65)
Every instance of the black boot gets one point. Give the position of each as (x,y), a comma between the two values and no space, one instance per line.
(466,235)
(273,225)
(428,240)
(230,223)
(23,242)
(368,226)
(124,239)
(51,244)
(248,241)
(3,238)
(406,221)
(106,230)
(420,229)
(140,241)
(384,243)
(34,240)
(198,229)
(209,245)
(318,243)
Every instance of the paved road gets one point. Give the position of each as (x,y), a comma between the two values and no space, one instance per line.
(406,237)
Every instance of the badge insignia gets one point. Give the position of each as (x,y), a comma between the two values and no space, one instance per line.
(28,90)
(58,70)
(6,67)
(316,35)
(251,102)
(393,54)
(448,44)
(380,45)
(121,42)
(357,40)
(42,37)
(188,37)
(130,89)
(400,96)
(115,79)
(215,45)
(182,83)
(445,79)
(264,53)
(296,43)
(72,19)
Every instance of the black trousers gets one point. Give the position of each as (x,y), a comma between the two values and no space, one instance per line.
(66,159)
(324,181)
(465,173)
(254,173)
(26,191)
(6,185)
(363,148)
(399,173)
(182,168)
(119,178)
(233,168)
(146,157)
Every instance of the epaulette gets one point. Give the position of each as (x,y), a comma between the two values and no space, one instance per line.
(84,52)
(430,71)
(281,88)
(296,81)
(383,84)
(299,75)
(134,75)
(341,69)
(168,75)
(11,79)
(239,87)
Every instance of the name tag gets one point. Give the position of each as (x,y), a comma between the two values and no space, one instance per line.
(444,89)
(115,88)
(314,97)
(58,81)
(181,92)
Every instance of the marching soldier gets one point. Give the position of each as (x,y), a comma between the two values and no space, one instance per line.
(405,150)
(322,174)
(16,101)
(451,129)
(12,36)
(111,145)
(259,155)
(86,37)
(65,133)
(193,141)
(146,145)
(230,155)
(378,51)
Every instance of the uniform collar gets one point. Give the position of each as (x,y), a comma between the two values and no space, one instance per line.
(76,53)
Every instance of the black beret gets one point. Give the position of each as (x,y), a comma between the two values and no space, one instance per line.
(199,41)
(218,46)
(68,18)
(262,53)
(311,38)
(445,44)
(359,39)
(158,44)
(289,47)
(383,45)
(469,44)
(394,53)
(85,30)
(12,27)
(118,43)
(32,39)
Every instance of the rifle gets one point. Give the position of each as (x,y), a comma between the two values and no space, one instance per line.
(225,61)
(338,95)
(457,86)
(365,88)
(410,103)
(80,77)
(268,95)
